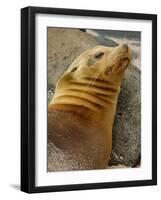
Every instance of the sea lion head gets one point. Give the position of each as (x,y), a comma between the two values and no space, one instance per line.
(102,62)
(97,71)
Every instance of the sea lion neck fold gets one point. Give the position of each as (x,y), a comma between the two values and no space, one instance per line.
(94,94)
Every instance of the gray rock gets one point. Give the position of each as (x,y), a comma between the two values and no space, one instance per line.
(134,35)
(64,45)
(105,41)
(127,126)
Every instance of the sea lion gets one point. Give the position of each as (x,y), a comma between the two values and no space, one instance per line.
(82,110)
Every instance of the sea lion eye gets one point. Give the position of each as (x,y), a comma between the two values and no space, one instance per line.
(99,54)
(74,69)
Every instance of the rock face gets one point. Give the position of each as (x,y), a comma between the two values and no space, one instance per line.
(64,45)
(127,126)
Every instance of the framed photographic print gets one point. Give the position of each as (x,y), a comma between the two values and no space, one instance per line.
(88,99)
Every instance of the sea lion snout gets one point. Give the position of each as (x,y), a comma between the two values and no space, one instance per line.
(125,46)
(118,60)
(125,50)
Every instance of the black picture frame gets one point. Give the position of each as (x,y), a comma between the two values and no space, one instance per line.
(28,98)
